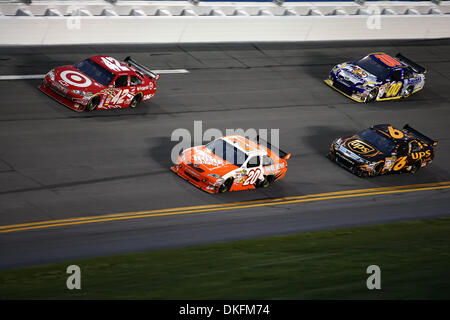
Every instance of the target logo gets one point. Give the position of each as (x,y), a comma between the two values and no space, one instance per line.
(76,79)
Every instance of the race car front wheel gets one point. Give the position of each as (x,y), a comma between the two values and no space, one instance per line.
(377,169)
(226,185)
(92,104)
(372,95)
(360,173)
(331,156)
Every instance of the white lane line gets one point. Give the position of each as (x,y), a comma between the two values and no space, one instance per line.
(171,71)
(41,76)
(23,77)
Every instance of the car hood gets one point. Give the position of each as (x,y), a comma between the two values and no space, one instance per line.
(362,148)
(73,79)
(202,158)
(354,74)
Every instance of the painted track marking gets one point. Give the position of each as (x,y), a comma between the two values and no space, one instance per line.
(226,206)
(41,76)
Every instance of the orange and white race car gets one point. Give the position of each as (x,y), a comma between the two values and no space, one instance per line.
(232,163)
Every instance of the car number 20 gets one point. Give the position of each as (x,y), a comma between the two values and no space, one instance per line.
(252,177)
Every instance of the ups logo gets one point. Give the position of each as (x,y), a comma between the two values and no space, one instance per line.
(420,155)
(360,147)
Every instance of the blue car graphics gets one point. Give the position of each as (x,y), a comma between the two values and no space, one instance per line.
(377,77)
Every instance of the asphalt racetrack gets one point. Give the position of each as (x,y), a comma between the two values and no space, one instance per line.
(59,165)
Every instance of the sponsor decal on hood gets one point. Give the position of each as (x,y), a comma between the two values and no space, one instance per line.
(208,161)
(356,75)
(361,148)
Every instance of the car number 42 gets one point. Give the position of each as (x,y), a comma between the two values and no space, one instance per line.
(120,96)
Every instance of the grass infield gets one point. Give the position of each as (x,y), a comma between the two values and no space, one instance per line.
(414,258)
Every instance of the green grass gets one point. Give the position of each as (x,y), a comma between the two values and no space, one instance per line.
(414,258)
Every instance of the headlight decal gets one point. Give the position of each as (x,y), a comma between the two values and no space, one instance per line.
(51,75)
(79,92)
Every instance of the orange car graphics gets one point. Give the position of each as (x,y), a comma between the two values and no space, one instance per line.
(232,163)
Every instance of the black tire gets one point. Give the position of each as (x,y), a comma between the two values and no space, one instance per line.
(372,95)
(265,183)
(331,156)
(377,169)
(92,104)
(360,173)
(135,102)
(416,167)
(408,92)
(226,185)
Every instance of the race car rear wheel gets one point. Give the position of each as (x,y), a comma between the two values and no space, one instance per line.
(416,167)
(226,185)
(265,183)
(373,94)
(134,103)
(92,104)
(408,92)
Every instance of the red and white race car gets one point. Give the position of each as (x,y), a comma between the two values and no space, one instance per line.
(232,163)
(100,82)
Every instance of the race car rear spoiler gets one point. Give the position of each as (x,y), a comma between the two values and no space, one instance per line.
(281,153)
(416,67)
(141,68)
(419,135)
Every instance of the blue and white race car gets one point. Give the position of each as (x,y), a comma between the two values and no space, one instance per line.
(377,77)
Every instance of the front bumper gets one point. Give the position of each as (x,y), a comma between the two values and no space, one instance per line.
(345,90)
(65,98)
(349,164)
(343,161)
(190,175)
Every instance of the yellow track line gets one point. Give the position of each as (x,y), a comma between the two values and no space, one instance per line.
(220,205)
(227,206)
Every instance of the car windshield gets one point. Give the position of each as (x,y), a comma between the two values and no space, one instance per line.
(377,69)
(95,71)
(378,140)
(227,152)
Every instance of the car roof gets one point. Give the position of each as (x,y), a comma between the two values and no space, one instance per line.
(384,128)
(113,65)
(247,146)
(396,63)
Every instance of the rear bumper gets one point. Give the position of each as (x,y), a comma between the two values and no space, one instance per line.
(64,100)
